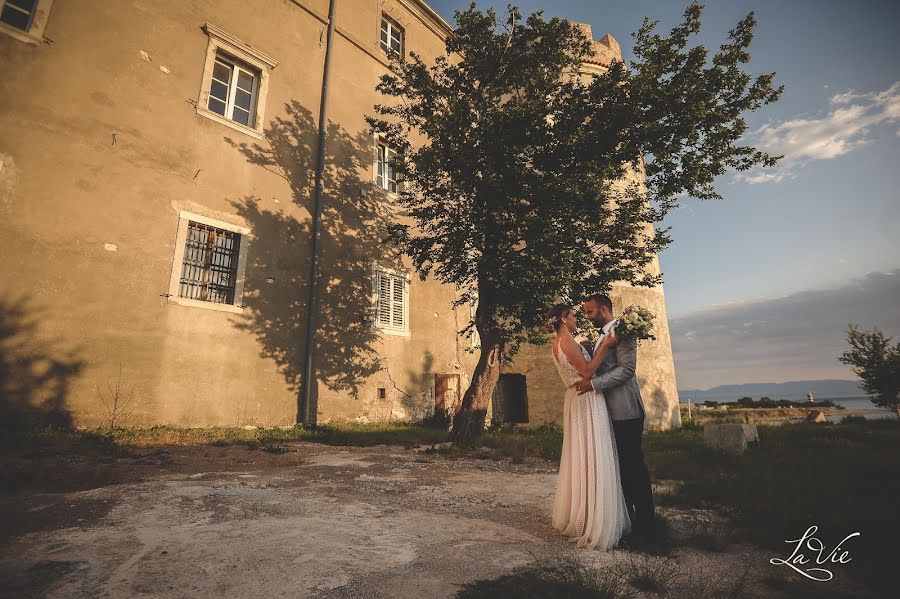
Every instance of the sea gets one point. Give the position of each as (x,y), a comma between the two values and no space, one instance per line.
(859,403)
(850,403)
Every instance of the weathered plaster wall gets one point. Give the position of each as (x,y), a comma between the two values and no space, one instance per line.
(102,147)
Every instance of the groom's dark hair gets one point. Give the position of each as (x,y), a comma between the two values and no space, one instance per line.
(601,300)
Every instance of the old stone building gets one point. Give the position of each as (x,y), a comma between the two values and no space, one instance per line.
(157,166)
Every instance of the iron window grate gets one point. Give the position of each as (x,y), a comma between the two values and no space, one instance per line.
(209,268)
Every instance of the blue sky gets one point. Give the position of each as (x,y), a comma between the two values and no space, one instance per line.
(810,242)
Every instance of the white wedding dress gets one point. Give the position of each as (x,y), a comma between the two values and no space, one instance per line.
(589,506)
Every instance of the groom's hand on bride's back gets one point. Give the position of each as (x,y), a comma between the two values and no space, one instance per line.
(583,386)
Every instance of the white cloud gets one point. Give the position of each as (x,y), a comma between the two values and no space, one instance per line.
(847,126)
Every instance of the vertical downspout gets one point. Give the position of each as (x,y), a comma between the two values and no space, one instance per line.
(307,409)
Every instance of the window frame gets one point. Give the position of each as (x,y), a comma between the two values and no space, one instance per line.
(393,24)
(36,26)
(184,219)
(232,85)
(395,275)
(389,150)
(225,47)
(474,336)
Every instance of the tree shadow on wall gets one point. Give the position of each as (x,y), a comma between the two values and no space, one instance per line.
(35,379)
(354,220)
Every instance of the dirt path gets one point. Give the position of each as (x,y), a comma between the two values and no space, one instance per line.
(316,521)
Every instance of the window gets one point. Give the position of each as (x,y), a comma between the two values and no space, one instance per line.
(235,83)
(392,301)
(209,267)
(209,263)
(385,177)
(25,20)
(474,337)
(18,13)
(391,36)
(232,92)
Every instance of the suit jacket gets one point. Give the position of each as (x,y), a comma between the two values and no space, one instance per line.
(615,379)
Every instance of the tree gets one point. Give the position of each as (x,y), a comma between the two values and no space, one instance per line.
(514,192)
(877,363)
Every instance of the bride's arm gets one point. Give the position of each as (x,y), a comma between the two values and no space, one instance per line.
(573,352)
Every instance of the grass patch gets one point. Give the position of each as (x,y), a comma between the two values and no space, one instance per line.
(359,435)
(561,577)
(842,478)
(518,443)
(648,575)
(565,577)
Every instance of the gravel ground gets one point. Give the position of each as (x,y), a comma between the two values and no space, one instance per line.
(315,521)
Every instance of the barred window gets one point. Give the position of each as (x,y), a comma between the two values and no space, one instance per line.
(392,301)
(18,13)
(391,36)
(385,176)
(209,267)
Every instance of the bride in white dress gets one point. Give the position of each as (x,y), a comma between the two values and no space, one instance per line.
(589,506)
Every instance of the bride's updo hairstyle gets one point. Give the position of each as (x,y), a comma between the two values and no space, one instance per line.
(555,316)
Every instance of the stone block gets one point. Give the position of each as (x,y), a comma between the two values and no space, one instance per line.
(730,437)
(817,416)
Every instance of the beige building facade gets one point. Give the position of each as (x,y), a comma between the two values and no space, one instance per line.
(157,166)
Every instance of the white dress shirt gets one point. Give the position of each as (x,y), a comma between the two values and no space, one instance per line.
(604,332)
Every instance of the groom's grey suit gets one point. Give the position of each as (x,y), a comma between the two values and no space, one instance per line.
(616,381)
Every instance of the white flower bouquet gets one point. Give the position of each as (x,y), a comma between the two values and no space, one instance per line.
(636,322)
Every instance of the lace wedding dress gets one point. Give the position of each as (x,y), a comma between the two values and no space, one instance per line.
(589,506)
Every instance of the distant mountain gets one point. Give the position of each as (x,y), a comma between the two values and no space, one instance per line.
(824,389)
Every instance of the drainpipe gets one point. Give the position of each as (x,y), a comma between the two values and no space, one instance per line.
(307,409)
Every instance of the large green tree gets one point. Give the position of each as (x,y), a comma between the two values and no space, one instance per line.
(512,164)
(877,363)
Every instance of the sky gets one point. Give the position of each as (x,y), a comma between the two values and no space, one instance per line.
(761,285)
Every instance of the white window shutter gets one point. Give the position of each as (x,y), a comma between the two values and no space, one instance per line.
(397,303)
(384,301)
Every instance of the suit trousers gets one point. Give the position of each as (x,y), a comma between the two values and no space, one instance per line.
(633,472)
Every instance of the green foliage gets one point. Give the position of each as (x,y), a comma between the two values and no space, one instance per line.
(877,363)
(649,575)
(566,577)
(544,442)
(441,419)
(511,193)
(842,478)
(558,577)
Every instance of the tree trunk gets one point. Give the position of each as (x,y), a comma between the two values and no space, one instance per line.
(468,423)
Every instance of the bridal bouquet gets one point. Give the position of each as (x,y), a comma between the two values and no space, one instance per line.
(636,322)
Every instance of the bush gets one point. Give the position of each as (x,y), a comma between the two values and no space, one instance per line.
(441,419)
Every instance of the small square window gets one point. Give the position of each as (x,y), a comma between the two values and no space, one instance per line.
(209,266)
(233,90)
(209,263)
(18,13)
(385,175)
(391,37)
(382,393)
(25,20)
(235,83)
(474,337)
(391,301)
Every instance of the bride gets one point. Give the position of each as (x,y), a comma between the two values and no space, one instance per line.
(589,506)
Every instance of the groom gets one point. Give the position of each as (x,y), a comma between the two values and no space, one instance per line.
(615,379)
